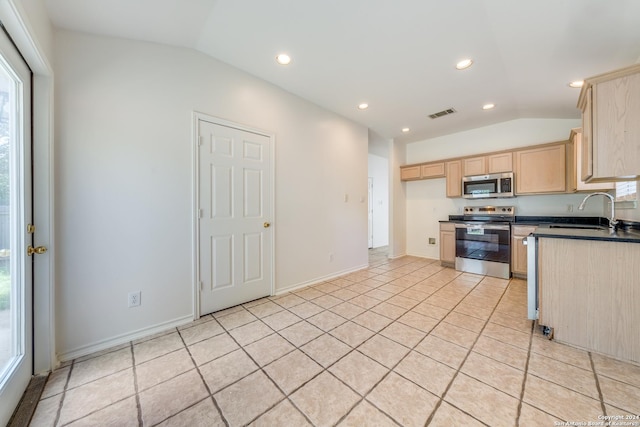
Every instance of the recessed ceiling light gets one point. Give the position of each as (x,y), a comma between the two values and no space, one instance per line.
(283,59)
(576,84)
(405,130)
(363,106)
(465,63)
(488,106)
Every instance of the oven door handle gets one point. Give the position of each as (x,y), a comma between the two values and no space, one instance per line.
(484,226)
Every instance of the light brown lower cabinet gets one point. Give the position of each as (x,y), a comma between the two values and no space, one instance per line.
(447,244)
(589,292)
(519,234)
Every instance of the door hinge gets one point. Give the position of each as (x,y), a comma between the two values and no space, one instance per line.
(200,213)
(201,285)
(31,228)
(200,140)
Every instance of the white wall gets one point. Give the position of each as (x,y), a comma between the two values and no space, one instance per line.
(426,201)
(397,202)
(379,173)
(124,173)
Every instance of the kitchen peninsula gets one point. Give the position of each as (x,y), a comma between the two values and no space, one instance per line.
(589,288)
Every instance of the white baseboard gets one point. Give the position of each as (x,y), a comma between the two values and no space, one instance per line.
(395,256)
(421,255)
(122,339)
(317,280)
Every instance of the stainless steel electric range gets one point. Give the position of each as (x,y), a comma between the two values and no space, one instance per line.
(483,240)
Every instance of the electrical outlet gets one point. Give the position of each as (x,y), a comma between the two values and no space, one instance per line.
(134,299)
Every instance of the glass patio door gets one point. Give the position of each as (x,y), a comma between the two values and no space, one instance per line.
(15,215)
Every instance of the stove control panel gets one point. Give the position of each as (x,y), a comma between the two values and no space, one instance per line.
(490,210)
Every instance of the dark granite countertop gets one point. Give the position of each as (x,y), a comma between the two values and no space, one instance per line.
(571,227)
(627,235)
(539,220)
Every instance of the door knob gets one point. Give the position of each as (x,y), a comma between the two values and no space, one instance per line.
(37,250)
(266,224)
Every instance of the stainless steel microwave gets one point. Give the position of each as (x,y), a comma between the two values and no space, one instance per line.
(486,186)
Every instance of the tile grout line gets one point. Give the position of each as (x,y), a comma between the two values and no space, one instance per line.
(261,369)
(64,393)
(455,375)
(391,369)
(526,371)
(135,385)
(222,417)
(595,375)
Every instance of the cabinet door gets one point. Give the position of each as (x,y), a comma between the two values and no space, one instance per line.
(475,166)
(447,243)
(454,178)
(412,172)
(616,127)
(541,170)
(434,170)
(448,247)
(518,255)
(586,148)
(580,185)
(518,249)
(502,162)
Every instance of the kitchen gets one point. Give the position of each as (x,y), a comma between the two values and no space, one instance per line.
(147,140)
(479,241)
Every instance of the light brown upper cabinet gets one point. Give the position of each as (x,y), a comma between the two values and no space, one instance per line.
(475,166)
(454,178)
(541,170)
(491,163)
(409,173)
(501,162)
(425,171)
(578,183)
(433,170)
(610,105)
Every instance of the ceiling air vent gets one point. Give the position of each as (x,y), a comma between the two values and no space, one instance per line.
(442,113)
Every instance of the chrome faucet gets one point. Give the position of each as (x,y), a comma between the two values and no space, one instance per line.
(612,219)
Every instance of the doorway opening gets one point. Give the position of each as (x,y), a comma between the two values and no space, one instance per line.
(378,213)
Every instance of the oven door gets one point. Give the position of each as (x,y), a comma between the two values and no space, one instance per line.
(484,248)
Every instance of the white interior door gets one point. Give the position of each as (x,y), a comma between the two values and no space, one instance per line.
(16,273)
(234,202)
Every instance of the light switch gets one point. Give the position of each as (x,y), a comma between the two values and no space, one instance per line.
(346,197)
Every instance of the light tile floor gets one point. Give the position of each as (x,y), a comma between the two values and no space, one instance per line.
(404,342)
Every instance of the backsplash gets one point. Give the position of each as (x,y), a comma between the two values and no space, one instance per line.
(550,205)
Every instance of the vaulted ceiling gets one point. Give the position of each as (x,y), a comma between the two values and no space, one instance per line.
(397,56)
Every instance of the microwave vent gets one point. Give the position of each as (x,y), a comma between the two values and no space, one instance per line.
(442,113)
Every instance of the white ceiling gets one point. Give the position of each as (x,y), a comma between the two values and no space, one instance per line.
(399,56)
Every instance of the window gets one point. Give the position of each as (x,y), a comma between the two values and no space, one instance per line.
(626,194)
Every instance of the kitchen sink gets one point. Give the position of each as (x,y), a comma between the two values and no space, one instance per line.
(578,226)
